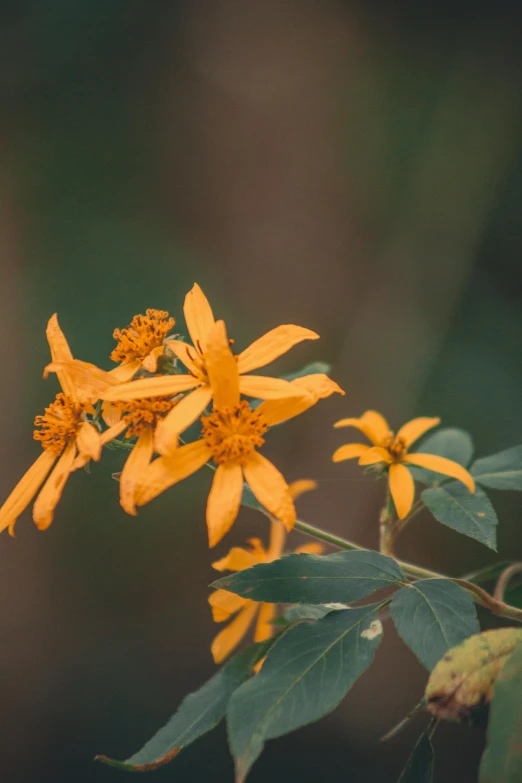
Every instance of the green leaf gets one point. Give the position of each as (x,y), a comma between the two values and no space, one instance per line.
(449,442)
(470,514)
(305,676)
(344,577)
(500,471)
(419,767)
(310,611)
(249,499)
(502,760)
(197,714)
(309,369)
(433,615)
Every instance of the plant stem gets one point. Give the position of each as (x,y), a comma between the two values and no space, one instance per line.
(504,580)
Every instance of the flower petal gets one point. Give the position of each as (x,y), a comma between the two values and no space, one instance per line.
(88,441)
(402,488)
(374,426)
(270,488)
(25,490)
(111,414)
(318,387)
(221,367)
(60,352)
(132,472)
(166,471)
(375,454)
(442,465)
(162,385)
(186,354)
(264,628)
(266,388)
(272,345)
(198,316)
(299,487)
(150,362)
(413,429)
(232,635)
(310,549)
(89,381)
(225,604)
(277,540)
(51,492)
(179,418)
(82,459)
(236,560)
(350,450)
(224,500)
(124,372)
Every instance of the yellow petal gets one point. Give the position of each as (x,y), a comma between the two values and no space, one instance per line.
(60,352)
(88,441)
(179,418)
(225,604)
(223,501)
(411,431)
(164,472)
(318,386)
(163,385)
(236,560)
(111,414)
(442,465)
(270,488)
(186,354)
(374,426)
(25,490)
(266,388)
(124,372)
(89,381)
(51,492)
(310,549)
(132,472)
(82,459)
(298,488)
(198,316)
(375,454)
(229,638)
(402,489)
(264,628)
(221,367)
(272,345)
(277,540)
(150,362)
(350,450)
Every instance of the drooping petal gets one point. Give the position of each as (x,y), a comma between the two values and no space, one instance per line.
(124,372)
(186,354)
(111,414)
(224,500)
(413,429)
(81,460)
(375,454)
(442,465)
(225,604)
(272,345)
(221,366)
(374,426)
(299,487)
(232,635)
(164,472)
(88,441)
(318,386)
(277,539)
(310,549)
(25,490)
(60,352)
(266,388)
(162,385)
(198,316)
(132,472)
(89,381)
(270,488)
(402,488)
(51,492)
(264,628)
(350,450)
(179,418)
(150,362)
(236,560)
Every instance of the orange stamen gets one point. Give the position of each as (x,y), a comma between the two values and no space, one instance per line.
(59,423)
(144,333)
(233,433)
(142,413)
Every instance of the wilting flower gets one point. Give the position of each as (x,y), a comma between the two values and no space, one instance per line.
(230,437)
(391,450)
(225,604)
(64,433)
(200,324)
(141,343)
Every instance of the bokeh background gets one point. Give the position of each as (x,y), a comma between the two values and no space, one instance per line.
(352,167)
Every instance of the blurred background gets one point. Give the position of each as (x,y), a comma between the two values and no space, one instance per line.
(352,167)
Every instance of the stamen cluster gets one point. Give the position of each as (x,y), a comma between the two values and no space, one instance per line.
(233,433)
(396,446)
(59,423)
(144,333)
(142,413)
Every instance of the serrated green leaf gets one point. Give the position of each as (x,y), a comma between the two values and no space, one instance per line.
(313,368)
(433,615)
(500,471)
(449,442)
(305,676)
(502,760)
(198,713)
(310,611)
(344,577)
(419,767)
(470,514)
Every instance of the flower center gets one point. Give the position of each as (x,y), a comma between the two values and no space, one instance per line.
(59,423)
(142,413)
(396,446)
(144,333)
(233,433)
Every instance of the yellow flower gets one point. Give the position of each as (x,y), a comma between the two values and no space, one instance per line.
(200,324)
(225,604)
(64,432)
(231,435)
(141,343)
(392,450)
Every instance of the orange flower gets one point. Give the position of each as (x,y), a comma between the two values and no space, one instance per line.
(141,343)
(225,604)
(231,435)
(391,450)
(64,431)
